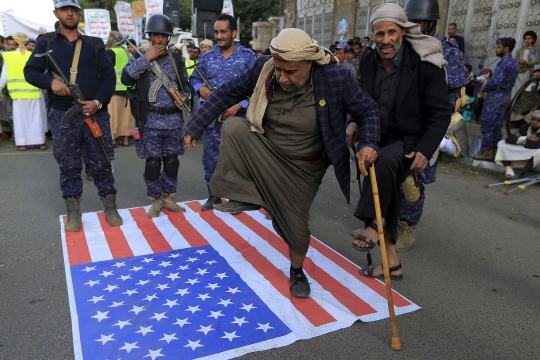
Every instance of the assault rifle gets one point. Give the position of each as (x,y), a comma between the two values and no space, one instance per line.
(204,78)
(161,80)
(208,84)
(77,95)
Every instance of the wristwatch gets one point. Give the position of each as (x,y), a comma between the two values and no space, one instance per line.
(98,104)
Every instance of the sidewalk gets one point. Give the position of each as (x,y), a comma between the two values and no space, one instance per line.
(474,130)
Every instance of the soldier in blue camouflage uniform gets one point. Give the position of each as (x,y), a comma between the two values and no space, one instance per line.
(426,13)
(224,62)
(161,125)
(498,91)
(96,78)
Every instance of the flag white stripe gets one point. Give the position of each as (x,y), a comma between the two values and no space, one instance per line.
(134,236)
(95,238)
(170,233)
(77,348)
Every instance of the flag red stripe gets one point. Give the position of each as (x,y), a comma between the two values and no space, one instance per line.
(350,300)
(76,245)
(153,236)
(316,314)
(115,238)
(378,287)
(185,228)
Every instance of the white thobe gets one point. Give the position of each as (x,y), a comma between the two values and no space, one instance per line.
(29,122)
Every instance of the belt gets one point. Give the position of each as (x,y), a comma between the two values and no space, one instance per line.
(163,110)
(314,157)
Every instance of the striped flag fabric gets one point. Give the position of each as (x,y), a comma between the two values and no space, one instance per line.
(204,285)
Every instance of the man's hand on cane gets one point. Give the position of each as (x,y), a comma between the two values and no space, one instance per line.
(367,155)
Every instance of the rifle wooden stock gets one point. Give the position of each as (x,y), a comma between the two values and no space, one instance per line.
(94,127)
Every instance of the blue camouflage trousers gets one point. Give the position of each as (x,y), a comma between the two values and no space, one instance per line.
(212,137)
(71,144)
(412,212)
(159,143)
(492,119)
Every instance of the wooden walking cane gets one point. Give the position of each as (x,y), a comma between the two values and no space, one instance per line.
(396,343)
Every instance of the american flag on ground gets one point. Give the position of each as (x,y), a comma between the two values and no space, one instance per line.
(203,285)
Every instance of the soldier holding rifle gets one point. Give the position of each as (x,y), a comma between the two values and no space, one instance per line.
(160,97)
(223,63)
(79,118)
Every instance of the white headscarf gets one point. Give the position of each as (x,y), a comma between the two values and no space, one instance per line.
(428,48)
(296,45)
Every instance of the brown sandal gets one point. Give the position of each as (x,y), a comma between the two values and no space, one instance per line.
(21,148)
(43,147)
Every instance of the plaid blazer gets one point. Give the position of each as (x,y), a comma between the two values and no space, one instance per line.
(336,94)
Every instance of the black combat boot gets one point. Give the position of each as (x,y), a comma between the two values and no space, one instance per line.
(209,204)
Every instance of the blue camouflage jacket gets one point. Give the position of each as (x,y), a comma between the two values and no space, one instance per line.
(455,69)
(336,94)
(503,79)
(219,70)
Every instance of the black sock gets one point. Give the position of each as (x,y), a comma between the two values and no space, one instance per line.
(296,271)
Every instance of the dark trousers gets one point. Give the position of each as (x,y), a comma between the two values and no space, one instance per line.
(392,168)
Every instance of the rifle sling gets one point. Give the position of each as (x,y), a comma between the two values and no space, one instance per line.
(74,64)
(176,71)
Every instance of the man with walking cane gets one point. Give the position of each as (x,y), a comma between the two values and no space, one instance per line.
(406,78)
(297,93)
(79,127)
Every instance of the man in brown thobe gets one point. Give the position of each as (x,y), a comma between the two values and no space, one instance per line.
(295,129)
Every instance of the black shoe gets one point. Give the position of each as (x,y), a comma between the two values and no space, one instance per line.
(236,207)
(300,285)
(209,204)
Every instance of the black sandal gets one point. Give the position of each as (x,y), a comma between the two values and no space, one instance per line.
(367,240)
(370,269)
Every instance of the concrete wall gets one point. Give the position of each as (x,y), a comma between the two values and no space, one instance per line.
(264,35)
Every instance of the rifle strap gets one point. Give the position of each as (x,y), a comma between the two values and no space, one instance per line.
(76,56)
(176,71)
(74,64)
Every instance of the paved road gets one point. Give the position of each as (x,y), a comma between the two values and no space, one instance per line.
(473,269)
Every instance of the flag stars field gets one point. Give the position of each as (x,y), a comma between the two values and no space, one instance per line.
(137,326)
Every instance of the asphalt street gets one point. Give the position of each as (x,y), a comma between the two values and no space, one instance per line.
(473,269)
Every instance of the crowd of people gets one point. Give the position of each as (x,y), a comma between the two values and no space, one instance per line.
(272,121)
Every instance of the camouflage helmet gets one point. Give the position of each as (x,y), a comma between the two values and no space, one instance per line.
(62,3)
